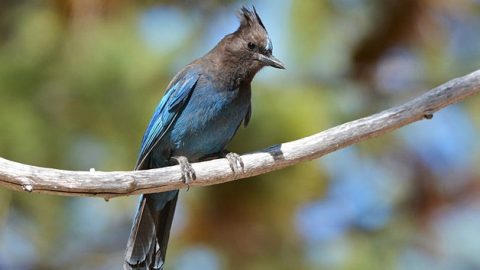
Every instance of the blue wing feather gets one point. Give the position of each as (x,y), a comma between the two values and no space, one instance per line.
(171,104)
(181,96)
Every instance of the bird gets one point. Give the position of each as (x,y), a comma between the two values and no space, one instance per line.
(204,105)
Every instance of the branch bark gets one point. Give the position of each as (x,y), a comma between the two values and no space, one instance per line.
(28,178)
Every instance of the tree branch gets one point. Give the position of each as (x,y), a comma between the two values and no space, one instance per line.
(27,178)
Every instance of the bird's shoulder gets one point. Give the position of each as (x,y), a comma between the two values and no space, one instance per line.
(187,72)
(215,72)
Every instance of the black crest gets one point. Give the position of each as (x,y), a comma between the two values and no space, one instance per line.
(249,17)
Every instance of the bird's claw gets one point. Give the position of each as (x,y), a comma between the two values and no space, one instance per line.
(235,162)
(188,174)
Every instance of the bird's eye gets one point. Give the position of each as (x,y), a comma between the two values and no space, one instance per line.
(251,45)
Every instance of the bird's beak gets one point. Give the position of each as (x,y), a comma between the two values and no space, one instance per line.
(270,61)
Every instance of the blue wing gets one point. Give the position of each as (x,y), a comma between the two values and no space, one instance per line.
(167,110)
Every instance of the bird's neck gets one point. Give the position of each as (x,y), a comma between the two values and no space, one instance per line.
(230,69)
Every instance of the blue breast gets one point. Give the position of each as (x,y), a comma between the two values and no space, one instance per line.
(208,121)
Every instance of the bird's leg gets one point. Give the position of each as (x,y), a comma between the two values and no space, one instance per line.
(234,160)
(188,174)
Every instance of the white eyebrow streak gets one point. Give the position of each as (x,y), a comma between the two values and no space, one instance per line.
(269,45)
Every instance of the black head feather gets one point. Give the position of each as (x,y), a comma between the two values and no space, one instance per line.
(250,17)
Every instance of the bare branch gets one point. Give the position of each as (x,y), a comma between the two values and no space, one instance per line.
(27,178)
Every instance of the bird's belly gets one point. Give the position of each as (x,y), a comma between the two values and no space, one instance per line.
(197,145)
(204,130)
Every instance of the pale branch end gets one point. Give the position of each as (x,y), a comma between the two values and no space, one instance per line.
(21,177)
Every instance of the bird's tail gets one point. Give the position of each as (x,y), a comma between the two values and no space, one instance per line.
(147,244)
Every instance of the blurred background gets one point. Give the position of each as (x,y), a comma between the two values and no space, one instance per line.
(79,80)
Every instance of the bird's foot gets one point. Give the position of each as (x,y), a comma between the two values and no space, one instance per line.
(188,174)
(235,162)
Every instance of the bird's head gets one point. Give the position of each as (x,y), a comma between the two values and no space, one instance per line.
(250,43)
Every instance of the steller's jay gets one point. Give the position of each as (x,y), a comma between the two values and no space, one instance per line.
(203,107)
